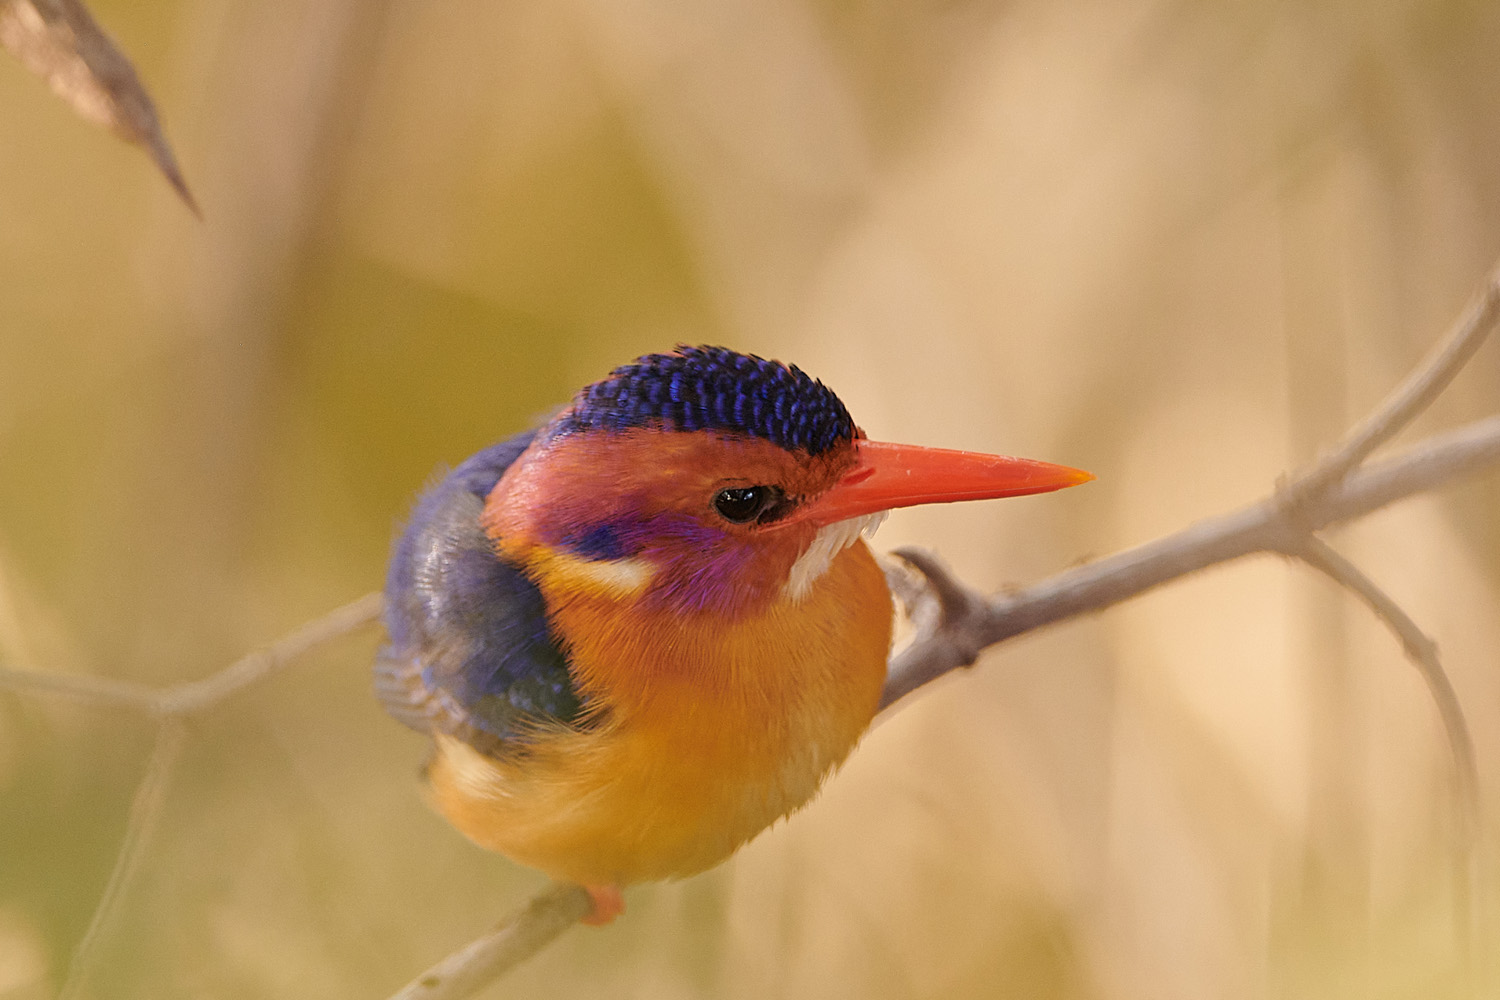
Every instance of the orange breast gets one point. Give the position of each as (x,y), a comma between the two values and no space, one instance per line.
(713,732)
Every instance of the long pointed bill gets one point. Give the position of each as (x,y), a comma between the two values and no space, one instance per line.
(904,475)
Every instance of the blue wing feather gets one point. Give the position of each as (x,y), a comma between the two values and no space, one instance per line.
(471,650)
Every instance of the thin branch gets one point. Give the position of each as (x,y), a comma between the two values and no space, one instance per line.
(1268,525)
(195,696)
(172,706)
(183,700)
(1415,393)
(145,809)
(512,941)
(84,687)
(1425,466)
(945,612)
(1423,654)
(954,622)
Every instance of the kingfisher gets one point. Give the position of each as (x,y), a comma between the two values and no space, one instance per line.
(649,629)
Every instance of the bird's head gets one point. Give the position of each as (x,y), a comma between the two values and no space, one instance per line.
(714,481)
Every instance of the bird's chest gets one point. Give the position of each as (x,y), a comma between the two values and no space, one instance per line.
(712,730)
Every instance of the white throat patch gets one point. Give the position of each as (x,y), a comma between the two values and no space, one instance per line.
(827,543)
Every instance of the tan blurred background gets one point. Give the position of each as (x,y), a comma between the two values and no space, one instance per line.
(1179,244)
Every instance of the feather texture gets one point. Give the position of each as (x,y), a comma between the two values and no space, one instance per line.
(715,389)
(623,683)
(471,653)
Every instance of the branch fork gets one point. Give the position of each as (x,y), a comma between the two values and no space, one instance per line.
(953,624)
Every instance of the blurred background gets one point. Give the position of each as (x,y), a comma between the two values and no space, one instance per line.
(1181,244)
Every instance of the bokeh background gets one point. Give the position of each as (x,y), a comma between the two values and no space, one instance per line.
(1181,243)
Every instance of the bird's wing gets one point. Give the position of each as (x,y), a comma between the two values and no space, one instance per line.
(471,651)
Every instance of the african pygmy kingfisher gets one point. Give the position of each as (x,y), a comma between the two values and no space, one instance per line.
(646,631)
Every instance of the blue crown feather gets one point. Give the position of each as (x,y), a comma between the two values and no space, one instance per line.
(716,389)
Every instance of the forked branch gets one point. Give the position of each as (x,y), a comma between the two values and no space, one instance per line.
(173,707)
(951,631)
(953,623)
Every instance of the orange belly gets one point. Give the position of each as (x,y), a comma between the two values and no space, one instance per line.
(713,732)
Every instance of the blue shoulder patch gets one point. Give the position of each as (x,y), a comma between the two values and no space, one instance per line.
(471,651)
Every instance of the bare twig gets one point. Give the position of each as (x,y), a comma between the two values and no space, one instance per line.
(84,687)
(144,810)
(195,696)
(1423,653)
(511,942)
(172,706)
(954,622)
(186,699)
(1329,493)
(1415,393)
(1264,526)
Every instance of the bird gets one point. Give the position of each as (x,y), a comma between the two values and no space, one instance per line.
(645,631)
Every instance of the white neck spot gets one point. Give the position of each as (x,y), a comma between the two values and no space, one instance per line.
(830,540)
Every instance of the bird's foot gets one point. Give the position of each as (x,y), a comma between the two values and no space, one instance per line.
(609,902)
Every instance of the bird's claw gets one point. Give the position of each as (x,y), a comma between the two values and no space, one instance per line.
(609,903)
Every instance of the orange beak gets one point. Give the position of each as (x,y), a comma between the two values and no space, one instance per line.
(904,475)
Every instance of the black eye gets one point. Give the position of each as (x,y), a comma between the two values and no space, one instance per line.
(743,503)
